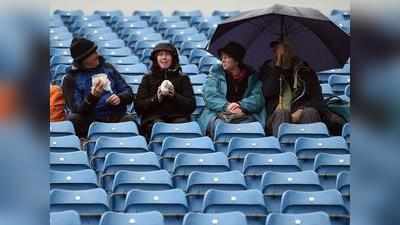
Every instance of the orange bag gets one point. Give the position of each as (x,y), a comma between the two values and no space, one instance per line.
(57,112)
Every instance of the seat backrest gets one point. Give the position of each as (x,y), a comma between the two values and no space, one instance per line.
(119,52)
(249,202)
(147,14)
(298,218)
(69,161)
(346,131)
(289,132)
(241,146)
(164,201)
(225,14)
(122,129)
(225,131)
(147,180)
(115,161)
(277,183)
(73,180)
(171,146)
(309,147)
(135,69)
(190,69)
(325,163)
(120,144)
(187,15)
(200,182)
(343,182)
(68,143)
(329,201)
(84,201)
(199,79)
(228,218)
(68,217)
(257,164)
(144,218)
(185,163)
(127,60)
(187,130)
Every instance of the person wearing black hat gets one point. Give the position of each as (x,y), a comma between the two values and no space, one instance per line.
(93,89)
(291,89)
(232,92)
(165,94)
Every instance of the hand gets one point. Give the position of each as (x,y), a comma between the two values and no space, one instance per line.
(297,115)
(237,111)
(114,100)
(232,106)
(97,89)
(159,94)
(171,92)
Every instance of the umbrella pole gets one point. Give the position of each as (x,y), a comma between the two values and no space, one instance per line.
(280,93)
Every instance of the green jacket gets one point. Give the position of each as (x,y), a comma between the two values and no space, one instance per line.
(214,94)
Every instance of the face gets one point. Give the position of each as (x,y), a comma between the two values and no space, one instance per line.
(92,61)
(164,59)
(228,63)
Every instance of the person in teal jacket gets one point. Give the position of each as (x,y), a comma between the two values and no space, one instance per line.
(232,92)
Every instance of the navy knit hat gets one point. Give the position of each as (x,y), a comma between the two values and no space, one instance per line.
(234,50)
(81,48)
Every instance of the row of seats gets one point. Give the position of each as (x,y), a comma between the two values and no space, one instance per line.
(71,217)
(173,203)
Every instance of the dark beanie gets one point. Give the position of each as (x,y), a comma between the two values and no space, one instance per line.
(82,48)
(234,50)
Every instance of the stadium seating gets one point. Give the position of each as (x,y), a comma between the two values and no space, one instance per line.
(343,186)
(68,143)
(329,165)
(346,132)
(228,218)
(338,83)
(200,182)
(300,218)
(132,70)
(73,180)
(144,218)
(68,217)
(127,60)
(69,161)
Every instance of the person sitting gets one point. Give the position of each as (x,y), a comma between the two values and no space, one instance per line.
(165,94)
(291,89)
(93,89)
(232,92)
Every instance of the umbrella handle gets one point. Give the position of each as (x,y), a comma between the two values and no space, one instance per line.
(280,93)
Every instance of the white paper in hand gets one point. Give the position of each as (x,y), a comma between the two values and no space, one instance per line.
(102,77)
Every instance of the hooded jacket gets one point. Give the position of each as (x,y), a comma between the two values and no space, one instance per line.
(181,105)
(214,94)
(77,85)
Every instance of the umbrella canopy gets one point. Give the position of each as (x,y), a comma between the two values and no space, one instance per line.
(313,37)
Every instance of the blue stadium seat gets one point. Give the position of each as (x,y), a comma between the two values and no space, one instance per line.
(346,132)
(190,69)
(86,26)
(98,129)
(90,204)
(60,36)
(289,132)
(66,15)
(60,44)
(59,51)
(326,90)
(155,20)
(127,60)
(343,186)
(146,15)
(67,217)
(187,15)
(125,181)
(60,59)
(249,202)
(206,62)
(171,203)
(200,105)
(132,70)
(162,130)
(144,218)
(81,21)
(183,60)
(200,182)
(228,218)
(338,83)
(225,14)
(164,26)
(197,89)
(274,184)
(69,143)
(58,29)
(62,128)
(105,145)
(195,21)
(225,131)
(116,52)
(196,54)
(171,146)
(117,21)
(307,148)
(177,36)
(238,148)
(103,37)
(115,162)
(108,14)
(133,38)
(328,201)
(346,94)
(204,27)
(132,80)
(69,161)
(255,165)
(95,31)
(56,23)
(140,46)
(188,46)
(126,28)
(329,165)
(185,163)
(300,218)
(73,180)
(198,80)
(59,71)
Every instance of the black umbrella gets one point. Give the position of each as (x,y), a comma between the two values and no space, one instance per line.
(313,37)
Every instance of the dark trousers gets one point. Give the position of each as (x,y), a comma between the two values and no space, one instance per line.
(146,127)
(82,123)
(309,115)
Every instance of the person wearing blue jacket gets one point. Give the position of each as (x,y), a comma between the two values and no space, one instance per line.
(232,92)
(90,98)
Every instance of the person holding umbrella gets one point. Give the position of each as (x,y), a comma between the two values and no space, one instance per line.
(232,92)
